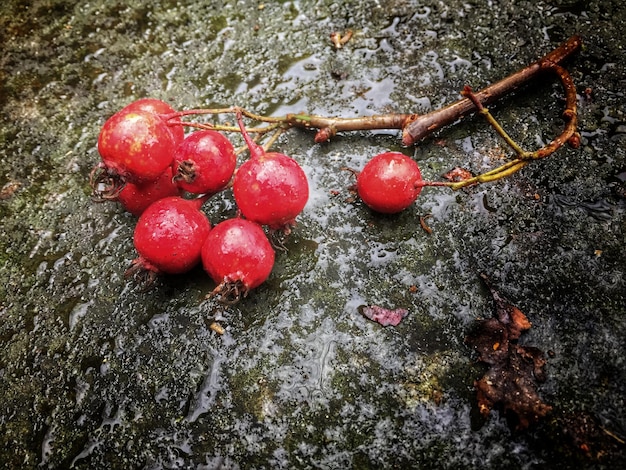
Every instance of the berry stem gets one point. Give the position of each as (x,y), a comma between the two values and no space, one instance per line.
(273,138)
(256,151)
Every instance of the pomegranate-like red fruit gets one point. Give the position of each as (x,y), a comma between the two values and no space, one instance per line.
(238,257)
(204,162)
(270,188)
(161,108)
(389,182)
(136,145)
(169,236)
(137,197)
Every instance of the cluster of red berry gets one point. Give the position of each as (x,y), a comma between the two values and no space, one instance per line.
(152,168)
(149,165)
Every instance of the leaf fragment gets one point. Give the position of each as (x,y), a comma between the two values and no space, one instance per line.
(382,315)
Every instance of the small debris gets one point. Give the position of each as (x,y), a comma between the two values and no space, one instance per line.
(339,40)
(325,134)
(219,329)
(458,174)
(425,227)
(382,315)
(339,74)
(9,189)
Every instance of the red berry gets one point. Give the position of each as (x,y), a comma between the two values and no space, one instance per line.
(155,106)
(389,182)
(238,257)
(204,162)
(169,236)
(136,145)
(270,188)
(137,197)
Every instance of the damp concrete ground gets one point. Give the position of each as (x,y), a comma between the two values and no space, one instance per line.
(97,373)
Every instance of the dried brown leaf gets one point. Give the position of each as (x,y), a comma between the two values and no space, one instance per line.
(510,382)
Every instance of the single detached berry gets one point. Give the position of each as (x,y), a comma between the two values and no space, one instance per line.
(270,188)
(169,236)
(389,182)
(204,162)
(238,257)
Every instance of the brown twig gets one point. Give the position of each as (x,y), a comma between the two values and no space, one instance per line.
(424,225)
(415,127)
(329,126)
(569,134)
(420,126)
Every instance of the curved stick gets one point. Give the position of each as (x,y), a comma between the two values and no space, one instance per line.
(419,127)
(569,135)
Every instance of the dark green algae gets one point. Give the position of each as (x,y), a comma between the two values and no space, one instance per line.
(96,373)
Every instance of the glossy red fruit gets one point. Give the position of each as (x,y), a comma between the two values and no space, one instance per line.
(270,188)
(136,145)
(169,236)
(389,182)
(161,108)
(204,162)
(238,257)
(137,197)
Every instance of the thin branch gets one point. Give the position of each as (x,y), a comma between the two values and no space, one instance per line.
(273,138)
(569,134)
(415,127)
(468,93)
(420,126)
(329,126)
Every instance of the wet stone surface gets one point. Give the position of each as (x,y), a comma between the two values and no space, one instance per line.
(96,373)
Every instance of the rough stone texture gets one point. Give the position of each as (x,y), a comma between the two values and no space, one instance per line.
(96,373)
